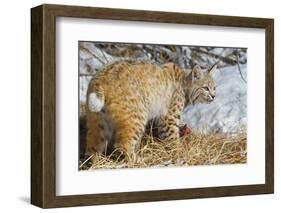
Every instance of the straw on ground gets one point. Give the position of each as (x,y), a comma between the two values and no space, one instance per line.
(195,149)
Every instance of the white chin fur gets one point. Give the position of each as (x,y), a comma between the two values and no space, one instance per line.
(95,104)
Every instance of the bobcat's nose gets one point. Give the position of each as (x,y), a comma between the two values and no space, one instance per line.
(211,98)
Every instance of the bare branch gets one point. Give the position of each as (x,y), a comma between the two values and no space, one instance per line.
(91,53)
(107,61)
(83,74)
(225,59)
(239,68)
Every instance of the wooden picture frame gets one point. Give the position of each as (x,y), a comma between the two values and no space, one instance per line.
(43,105)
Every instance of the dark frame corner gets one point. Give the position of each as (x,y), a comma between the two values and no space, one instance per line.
(43,102)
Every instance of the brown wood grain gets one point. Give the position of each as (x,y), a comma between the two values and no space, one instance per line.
(43,105)
(269,106)
(36,106)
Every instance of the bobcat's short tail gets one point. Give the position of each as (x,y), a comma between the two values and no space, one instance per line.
(95,99)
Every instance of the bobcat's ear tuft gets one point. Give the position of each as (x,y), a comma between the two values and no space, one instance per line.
(197,72)
(213,69)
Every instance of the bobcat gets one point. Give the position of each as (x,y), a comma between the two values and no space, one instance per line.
(125,96)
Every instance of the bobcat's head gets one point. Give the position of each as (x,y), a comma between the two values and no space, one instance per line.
(202,85)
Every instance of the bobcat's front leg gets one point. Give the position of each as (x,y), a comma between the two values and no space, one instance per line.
(169,123)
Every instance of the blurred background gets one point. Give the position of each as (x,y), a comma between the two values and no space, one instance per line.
(226,114)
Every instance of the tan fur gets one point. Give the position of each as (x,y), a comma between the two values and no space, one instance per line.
(134,93)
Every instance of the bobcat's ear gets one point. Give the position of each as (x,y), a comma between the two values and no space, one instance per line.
(169,66)
(213,69)
(197,72)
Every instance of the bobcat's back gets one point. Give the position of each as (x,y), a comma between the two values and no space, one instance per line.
(133,86)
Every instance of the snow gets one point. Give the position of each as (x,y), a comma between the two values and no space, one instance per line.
(84,82)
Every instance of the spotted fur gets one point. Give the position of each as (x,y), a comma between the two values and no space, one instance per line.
(125,96)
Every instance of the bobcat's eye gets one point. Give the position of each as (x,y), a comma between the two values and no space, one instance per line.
(206,88)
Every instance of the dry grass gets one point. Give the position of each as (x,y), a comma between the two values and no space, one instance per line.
(195,149)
